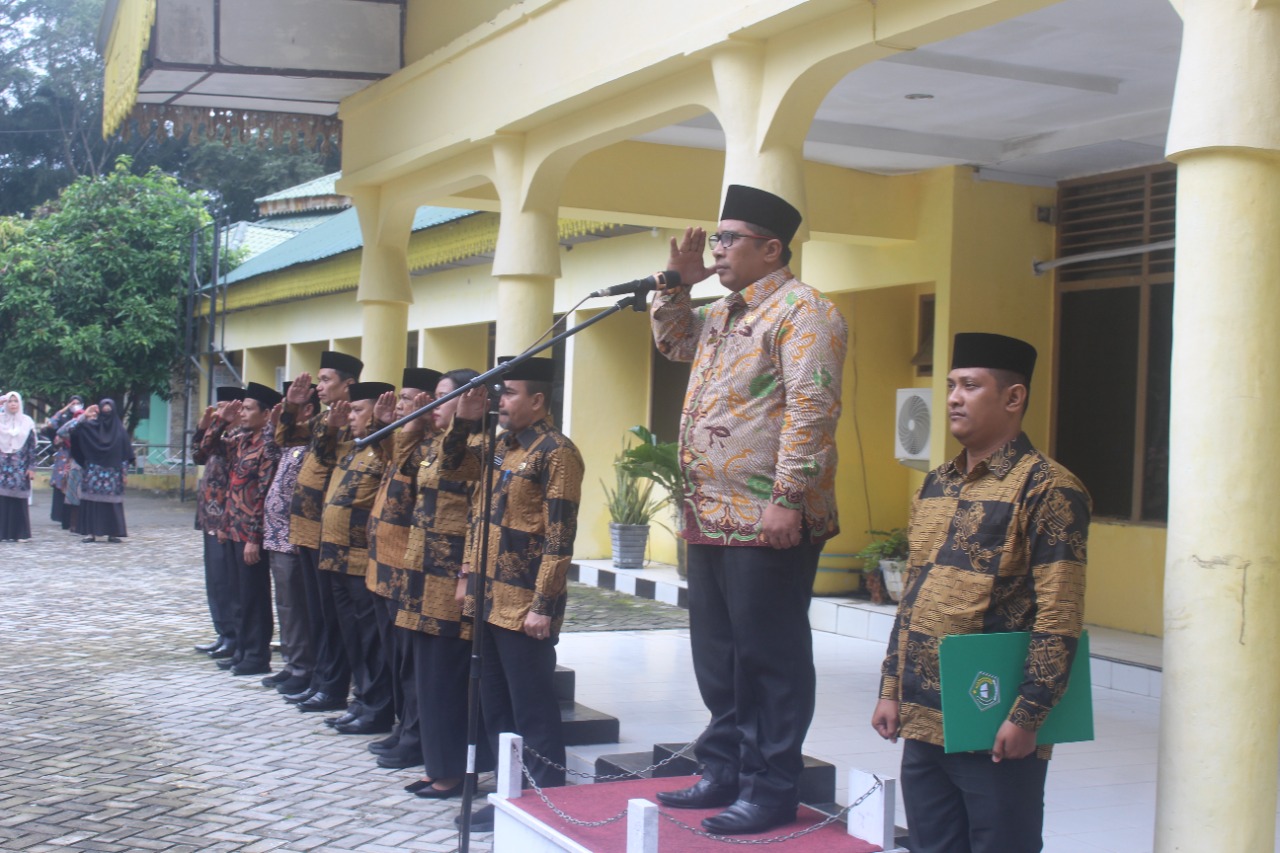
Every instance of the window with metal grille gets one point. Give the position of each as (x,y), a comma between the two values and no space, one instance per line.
(1115,341)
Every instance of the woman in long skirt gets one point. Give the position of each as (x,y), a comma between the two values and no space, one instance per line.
(102,448)
(17,468)
(60,510)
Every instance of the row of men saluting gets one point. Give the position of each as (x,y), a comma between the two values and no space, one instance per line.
(371,551)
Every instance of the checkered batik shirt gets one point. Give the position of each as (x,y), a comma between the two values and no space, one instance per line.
(537,485)
(1001,548)
(390,520)
(760,413)
(344,537)
(437,545)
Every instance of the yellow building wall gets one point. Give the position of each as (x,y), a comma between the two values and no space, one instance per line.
(455,347)
(1124,585)
(260,364)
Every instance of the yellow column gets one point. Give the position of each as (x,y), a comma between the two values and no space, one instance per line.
(1220,712)
(384,293)
(756,152)
(526,260)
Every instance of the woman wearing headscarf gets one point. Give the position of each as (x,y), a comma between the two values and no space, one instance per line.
(60,510)
(102,448)
(17,468)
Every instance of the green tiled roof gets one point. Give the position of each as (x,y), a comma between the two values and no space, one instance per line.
(322,185)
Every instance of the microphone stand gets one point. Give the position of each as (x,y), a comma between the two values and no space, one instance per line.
(636,302)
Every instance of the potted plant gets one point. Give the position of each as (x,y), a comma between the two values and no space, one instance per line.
(886,556)
(659,462)
(631,508)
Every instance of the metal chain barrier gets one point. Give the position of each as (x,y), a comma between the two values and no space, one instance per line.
(632,774)
(727,839)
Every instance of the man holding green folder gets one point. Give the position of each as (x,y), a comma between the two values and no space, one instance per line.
(998,538)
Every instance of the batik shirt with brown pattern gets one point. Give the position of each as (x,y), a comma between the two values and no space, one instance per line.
(537,484)
(344,535)
(437,544)
(390,520)
(1000,548)
(759,420)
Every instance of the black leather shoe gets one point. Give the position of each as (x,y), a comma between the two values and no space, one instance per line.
(295,684)
(225,650)
(277,678)
(362,727)
(705,794)
(226,663)
(744,818)
(385,745)
(415,787)
(342,719)
(323,702)
(399,759)
(481,820)
(208,647)
(250,669)
(300,696)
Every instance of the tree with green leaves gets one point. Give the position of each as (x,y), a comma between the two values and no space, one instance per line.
(90,288)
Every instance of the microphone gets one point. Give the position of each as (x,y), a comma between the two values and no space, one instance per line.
(657,281)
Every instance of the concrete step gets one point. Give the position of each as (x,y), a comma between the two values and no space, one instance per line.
(583,725)
(564,682)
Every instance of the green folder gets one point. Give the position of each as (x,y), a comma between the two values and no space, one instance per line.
(981,674)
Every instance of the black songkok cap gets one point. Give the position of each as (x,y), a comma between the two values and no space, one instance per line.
(533,370)
(422,378)
(368,390)
(994,352)
(765,209)
(340,361)
(266,397)
(228,393)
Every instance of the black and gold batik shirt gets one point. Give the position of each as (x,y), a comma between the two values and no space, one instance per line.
(390,520)
(437,544)
(344,535)
(537,484)
(1001,548)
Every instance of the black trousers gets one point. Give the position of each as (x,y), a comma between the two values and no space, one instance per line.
(517,694)
(966,803)
(256,622)
(441,667)
(332,673)
(753,659)
(358,625)
(397,648)
(220,588)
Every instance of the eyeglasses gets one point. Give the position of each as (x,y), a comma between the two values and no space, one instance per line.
(728,238)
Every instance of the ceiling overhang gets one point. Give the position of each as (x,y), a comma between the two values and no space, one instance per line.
(267,56)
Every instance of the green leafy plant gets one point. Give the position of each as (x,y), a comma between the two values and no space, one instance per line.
(657,461)
(631,501)
(884,545)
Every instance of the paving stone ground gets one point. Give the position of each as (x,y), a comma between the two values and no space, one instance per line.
(116,736)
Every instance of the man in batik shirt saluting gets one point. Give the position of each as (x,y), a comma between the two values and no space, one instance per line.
(758,454)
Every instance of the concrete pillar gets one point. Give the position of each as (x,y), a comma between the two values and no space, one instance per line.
(526,260)
(384,293)
(1220,711)
(776,165)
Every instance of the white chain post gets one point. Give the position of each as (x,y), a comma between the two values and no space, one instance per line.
(642,826)
(510,759)
(872,819)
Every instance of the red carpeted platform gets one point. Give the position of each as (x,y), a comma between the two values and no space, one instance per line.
(603,800)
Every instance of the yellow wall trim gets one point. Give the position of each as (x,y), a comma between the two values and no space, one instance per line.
(130,36)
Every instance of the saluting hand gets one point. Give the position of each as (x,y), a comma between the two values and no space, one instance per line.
(231,414)
(206,420)
(419,424)
(299,390)
(339,414)
(385,408)
(471,404)
(273,418)
(686,257)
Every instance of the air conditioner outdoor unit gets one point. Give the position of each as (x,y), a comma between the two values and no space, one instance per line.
(912,419)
